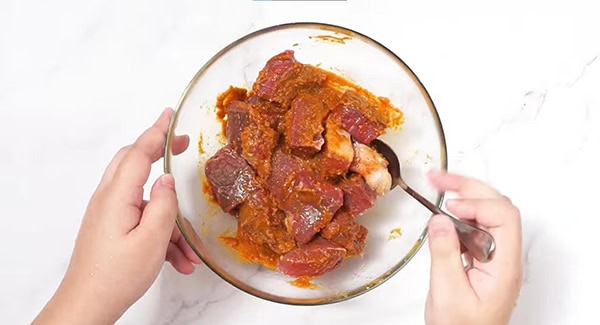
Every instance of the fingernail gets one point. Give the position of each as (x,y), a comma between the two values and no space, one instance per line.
(167,180)
(439,226)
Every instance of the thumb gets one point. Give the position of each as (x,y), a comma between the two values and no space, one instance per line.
(159,215)
(448,277)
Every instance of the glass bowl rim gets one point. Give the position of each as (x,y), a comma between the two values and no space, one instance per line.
(416,246)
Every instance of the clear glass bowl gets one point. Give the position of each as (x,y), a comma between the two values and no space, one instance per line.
(419,143)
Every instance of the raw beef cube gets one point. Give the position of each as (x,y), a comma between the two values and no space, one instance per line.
(283,77)
(284,167)
(276,71)
(358,196)
(359,117)
(270,112)
(237,120)
(330,97)
(312,259)
(263,224)
(304,218)
(311,206)
(230,177)
(304,125)
(346,232)
(258,142)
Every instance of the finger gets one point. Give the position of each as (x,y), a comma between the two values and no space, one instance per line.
(131,220)
(159,215)
(447,272)
(178,260)
(490,213)
(191,234)
(114,163)
(503,221)
(187,250)
(134,168)
(112,166)
(180,143)
(466,187)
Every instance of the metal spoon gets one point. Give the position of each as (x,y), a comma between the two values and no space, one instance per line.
(478,242)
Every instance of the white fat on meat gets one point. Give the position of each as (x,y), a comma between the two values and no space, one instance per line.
(338,142)
(372,166)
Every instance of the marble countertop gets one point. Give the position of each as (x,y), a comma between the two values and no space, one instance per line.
(517,86)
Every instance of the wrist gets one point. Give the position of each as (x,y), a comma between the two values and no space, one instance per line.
(78,303)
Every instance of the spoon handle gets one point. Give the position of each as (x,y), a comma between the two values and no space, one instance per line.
(478,242)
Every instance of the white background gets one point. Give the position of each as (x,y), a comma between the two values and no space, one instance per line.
(517,86)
